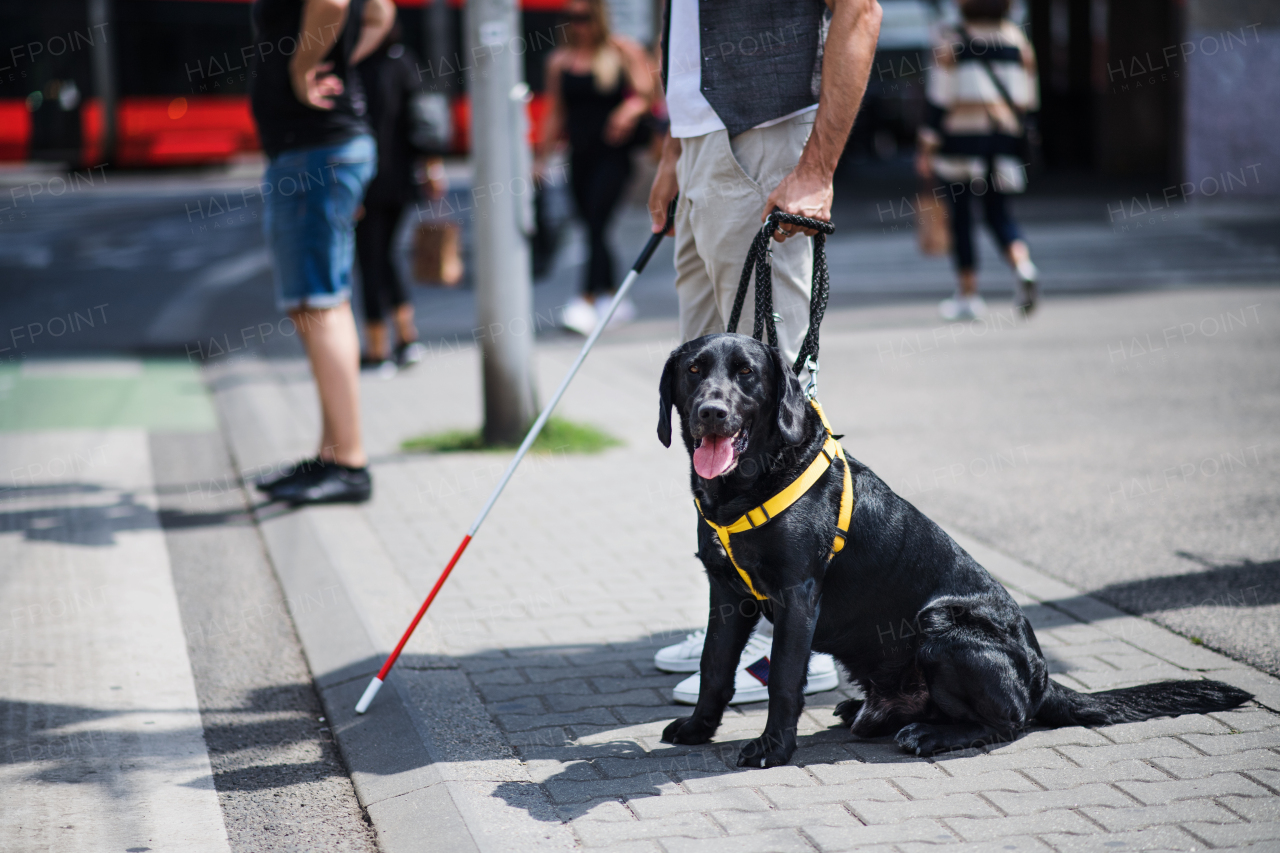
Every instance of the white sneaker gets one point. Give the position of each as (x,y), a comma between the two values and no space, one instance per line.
(685,656)
(955,308)
(625,314)
(579,316)
(751,680)
(960,307)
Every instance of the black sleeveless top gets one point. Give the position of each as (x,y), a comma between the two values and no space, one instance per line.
(586,110)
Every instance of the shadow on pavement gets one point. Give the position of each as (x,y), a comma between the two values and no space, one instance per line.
(73,744)
(98,525)
(1240,584)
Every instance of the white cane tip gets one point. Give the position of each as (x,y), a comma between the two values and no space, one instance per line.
(369,693)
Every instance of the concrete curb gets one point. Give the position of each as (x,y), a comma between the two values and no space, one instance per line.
(395,769)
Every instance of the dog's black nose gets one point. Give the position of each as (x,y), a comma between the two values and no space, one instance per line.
(712,413)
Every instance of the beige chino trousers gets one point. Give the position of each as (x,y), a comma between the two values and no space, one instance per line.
(724,184)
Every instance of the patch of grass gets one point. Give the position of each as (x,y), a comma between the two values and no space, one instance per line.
(1197,641)
(558,436)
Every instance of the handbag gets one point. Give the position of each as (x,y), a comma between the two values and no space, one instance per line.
(437,253)
(1028,145)
(932,230)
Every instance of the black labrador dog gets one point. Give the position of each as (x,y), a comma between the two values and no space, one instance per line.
(944,656)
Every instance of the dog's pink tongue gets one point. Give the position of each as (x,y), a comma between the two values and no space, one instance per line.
(713,456)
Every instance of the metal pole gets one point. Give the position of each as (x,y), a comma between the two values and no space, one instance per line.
(104,77)
(502,192)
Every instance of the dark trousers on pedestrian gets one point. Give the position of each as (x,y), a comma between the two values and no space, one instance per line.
(996,207)
(598,178)
(380,283)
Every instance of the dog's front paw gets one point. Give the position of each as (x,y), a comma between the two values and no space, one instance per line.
(847,710)
(688,731)
(767,751)
(920,739)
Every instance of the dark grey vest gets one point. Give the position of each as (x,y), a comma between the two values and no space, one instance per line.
(761,59)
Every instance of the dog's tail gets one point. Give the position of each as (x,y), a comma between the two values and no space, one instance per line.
(1065,707)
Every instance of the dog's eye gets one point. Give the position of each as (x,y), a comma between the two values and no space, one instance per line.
(693,368)
(744,371)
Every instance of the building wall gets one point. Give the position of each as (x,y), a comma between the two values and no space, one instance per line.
(1231,109)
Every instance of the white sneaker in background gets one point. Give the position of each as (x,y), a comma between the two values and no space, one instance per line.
(625,314)
(684,656)
(579,316)
(955,308)
(977,306)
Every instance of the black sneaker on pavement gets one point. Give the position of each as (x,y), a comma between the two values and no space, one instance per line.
(332,484)
(271,482)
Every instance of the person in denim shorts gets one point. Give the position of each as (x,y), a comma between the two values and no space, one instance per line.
(309,109)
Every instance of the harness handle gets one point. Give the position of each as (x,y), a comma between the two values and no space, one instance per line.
(758,260)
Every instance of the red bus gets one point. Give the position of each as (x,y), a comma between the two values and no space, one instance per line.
(181,76)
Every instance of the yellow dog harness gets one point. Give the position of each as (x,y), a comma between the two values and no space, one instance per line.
(770,509)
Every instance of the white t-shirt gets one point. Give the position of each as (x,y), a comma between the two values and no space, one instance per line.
(688,109)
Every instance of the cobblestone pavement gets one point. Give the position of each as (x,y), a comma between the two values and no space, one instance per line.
(532,677)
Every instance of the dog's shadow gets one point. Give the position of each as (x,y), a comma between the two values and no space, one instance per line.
(584,766)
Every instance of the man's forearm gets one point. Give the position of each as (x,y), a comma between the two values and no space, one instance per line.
(322,22)
(846,66)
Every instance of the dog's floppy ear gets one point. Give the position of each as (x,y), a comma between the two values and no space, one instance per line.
(666,396)
(790,399)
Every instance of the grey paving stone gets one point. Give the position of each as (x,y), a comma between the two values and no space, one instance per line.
(786,776)
(996,780)
(771,841)
(571,791)
(1118,771)
(1045,738)
(1232,835)
(972,765)
(738,822)
(742,799)
(598,833)
(1064,821)
(1188,724)
(848,771)
(952,805)
(853,791)
(602,810)
(1085,795)
(1142,817)
(1200,766)
(1220,785)
(1257,809)
(525,722)
(1248,719)
(500,692)
(855,837)
(1101,756)
(576,701)
(1016,844)
(1156,838)
(1225,744)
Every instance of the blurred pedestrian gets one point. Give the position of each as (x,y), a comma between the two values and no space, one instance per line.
(599,88)
(390,79)
(309,109)
(753,129)
(975,141)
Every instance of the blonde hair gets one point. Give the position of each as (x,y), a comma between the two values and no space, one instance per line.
(606,61)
